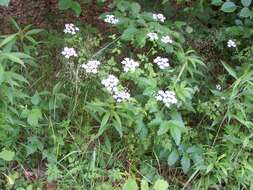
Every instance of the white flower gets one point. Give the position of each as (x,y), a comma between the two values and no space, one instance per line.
(91,66)
(70,29)
(111,19)
(69,52)
(152,36)
(111,83)
(231,44)
(129,64)
(121,96)
(162,63)
(166,40)
(218,87)
(167,97)
(159,17)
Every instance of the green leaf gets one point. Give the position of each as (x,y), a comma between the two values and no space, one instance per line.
(8,39)
(141,37)
(128,34)
(65,4)
(7,155)
(4,2)
(35,99)
(217,2)
(164,128)
(228,7)
(173,157)
(230,70)
(246,3)
(135,8)
(185,163)
(245,12)
(161,185)
(76,8)
(144,185)
(130,185)
(175,132)
(103,124)
(34,116)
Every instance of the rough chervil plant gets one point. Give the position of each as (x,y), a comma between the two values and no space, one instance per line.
(162,63)
(231,44)
(70,29)
(167,97)
(159,17)
(111,19)
(152,36)
(166,40)
(91,66)
(129,65)
(69,52)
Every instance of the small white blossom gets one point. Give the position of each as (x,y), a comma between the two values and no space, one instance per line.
(231,44)
(69,52)
(167,97)
(166,40)
(111,19)
(121,96)
(159,17)
(70,29)
(91,66)
(111,83)
(129,64)
(218,87)
(162,63)
(152,36)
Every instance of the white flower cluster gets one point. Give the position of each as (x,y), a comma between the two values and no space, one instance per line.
(70,29)
(121,96)
(231,44)
(166,40)
(69,52)
(159,17)
(111,19)
(129,64)
(91,66)
(111,83)
(167,97)
(152,36)
(218,87)
(162,63)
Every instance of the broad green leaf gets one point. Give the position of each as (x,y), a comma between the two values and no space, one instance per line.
(65,4)
(230,70)
(164,128)
(7,155)
(130,185)
(144,185)
(141,37)
(129,33)
(161,185)
(35,99)
(104,122)
(4,2)
(76,8)
(217,2)
(246,3)
(175,132)
(185,163)
(228,7)
(135,7)
(173,157)
(245,12)
(34,116)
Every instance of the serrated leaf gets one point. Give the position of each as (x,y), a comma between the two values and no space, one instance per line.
(175,132)
(228,7)
(245,12)
(129,33)
(34,116)
(164,128)
(173,157)
(185,163)
(7,155)
(130,184)
(76,8)
(161,185)
(246,3)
